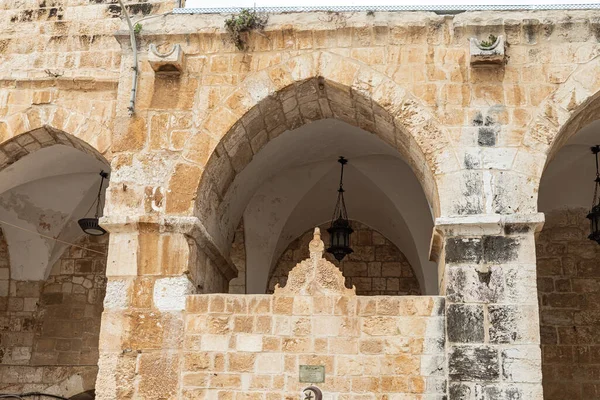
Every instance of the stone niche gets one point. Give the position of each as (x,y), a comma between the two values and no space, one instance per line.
(489,53)
(252,345)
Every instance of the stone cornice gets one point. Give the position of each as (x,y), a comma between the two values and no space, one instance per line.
(479,225)
(488,224)
(213,24)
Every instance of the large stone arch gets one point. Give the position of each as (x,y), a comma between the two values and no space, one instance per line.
(572,106)
(285,96)
(17,145)
(57,120)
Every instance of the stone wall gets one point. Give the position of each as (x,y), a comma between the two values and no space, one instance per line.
(50,329)
(376,267)
(251,346)
(65,38)
(568,269)
(477,139)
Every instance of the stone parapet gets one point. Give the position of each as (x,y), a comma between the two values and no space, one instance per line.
(254,344)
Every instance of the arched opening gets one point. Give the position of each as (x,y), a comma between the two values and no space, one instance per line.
(568,264)
(52,275)
(274,176)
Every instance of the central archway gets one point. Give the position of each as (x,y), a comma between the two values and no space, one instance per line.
(283,98)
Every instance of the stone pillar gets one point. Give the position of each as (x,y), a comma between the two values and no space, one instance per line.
(488,274)
(153,263)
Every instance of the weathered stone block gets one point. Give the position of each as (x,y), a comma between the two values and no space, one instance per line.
(522,364)
(465,323)
(471,284)
(500,249)
(463,250)
(159,375)
(473,363)
(510,324)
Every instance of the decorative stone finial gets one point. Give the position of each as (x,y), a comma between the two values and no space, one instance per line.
(315,275)
(316,246)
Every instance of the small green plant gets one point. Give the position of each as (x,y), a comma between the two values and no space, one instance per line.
(137,28)
(489,42)
(370,13)
(246,21)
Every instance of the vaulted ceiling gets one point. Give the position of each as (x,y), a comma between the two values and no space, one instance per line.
(45,193)
(291,186)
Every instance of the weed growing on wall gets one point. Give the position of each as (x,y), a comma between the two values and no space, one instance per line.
(245,21)
(490,42)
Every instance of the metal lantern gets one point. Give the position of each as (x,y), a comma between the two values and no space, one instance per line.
(340,229)
(594,215)
(91,226)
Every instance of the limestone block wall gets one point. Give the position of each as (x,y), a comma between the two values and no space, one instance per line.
(50,329)
(377,266)
(70,38)
(251,346)
(568,269)
(60,65)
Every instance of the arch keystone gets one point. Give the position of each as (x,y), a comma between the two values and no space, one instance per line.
(303,67)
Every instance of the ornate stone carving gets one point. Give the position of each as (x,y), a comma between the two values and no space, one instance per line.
(492,55)
(168,62)
(315,275)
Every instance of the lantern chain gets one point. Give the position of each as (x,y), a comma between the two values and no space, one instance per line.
(340,206)
(596,150)
(104,175)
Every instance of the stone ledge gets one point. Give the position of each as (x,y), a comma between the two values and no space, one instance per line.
(193,24)
(304,305)
(479,225)
(189,226)
(486,224)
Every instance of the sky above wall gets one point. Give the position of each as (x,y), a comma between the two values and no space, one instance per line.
(368,3)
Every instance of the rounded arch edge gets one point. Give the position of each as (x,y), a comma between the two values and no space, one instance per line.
(59,125)
(285,96)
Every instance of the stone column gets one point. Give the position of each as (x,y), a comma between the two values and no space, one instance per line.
(153,263)
(488,274)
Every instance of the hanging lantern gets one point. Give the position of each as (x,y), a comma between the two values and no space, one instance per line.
(340,229)
(594,215)
(91,226)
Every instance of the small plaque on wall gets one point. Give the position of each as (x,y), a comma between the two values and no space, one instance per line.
(312,373)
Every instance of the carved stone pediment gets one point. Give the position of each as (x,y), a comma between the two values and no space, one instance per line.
(315,275)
